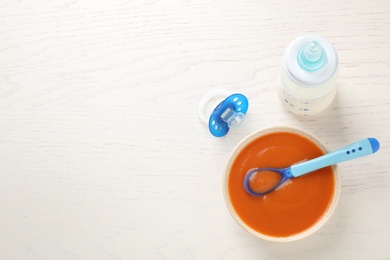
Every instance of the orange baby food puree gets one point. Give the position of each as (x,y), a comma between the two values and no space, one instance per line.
(296,205)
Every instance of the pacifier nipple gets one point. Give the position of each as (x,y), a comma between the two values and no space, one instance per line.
(232,118)
(228,113)
(312,57)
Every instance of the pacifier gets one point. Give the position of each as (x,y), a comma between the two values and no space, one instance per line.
(222,111)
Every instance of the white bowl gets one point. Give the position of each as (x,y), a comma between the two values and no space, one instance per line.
(304,233)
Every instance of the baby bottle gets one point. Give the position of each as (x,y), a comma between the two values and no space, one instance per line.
(308,75)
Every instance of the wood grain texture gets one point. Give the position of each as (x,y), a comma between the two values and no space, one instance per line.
(103,155)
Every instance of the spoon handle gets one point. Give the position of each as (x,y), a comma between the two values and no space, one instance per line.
(355,150)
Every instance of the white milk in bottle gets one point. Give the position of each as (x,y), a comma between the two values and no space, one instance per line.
(308,75)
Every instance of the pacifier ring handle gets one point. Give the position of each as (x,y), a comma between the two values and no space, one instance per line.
(221,94)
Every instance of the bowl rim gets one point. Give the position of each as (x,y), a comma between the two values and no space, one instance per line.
(274,129)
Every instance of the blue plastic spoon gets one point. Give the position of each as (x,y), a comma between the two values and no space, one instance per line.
(268,179)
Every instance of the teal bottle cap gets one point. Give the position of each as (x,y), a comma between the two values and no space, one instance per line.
(312,57)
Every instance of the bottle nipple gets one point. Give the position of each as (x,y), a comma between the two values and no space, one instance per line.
(312,57)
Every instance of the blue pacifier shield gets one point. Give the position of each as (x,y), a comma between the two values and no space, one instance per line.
(237,105)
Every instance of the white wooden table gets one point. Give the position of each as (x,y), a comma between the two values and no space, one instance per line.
(102,152)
